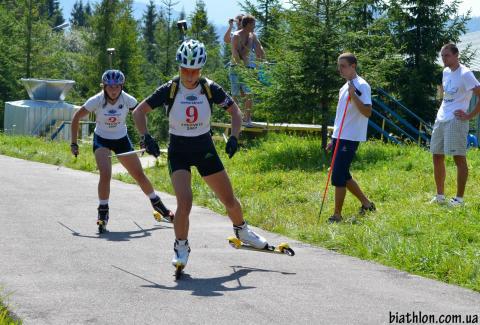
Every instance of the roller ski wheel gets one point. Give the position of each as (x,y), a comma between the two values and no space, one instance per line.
(178,271)
(157,215)
(283,248)
(102,218)
(102,226)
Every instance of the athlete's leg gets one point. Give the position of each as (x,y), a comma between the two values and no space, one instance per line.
(221,186)
(104,165)
(182,185)
(134,167)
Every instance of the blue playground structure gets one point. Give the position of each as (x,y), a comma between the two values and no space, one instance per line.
(397,123)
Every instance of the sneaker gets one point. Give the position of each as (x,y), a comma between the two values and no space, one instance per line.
(158,206)
(182,251)
(364,209)
(335,219)
(247,236)
(438,200)
(455,202)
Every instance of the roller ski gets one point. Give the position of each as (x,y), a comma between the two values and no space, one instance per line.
(160,211)
(247,239)
(180,257)
(102,220)
(283,248)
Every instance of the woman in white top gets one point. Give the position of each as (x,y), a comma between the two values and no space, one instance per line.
(111,107)
(191,144)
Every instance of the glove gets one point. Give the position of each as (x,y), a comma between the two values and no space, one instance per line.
(232,146)
(74,149)
(150,145)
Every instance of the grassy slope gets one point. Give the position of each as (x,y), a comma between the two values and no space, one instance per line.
(280,181)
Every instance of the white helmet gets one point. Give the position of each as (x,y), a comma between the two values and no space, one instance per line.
(192,54)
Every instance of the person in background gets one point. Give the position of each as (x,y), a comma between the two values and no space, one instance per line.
(246,48)
(451,125)
(357,93)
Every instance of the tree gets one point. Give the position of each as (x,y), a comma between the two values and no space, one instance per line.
(126,43)
(306,81)
(168,45)
(420,29)
(148,31)
(202,30)
(368,36)
(80,14)
(52,11)
(12,64)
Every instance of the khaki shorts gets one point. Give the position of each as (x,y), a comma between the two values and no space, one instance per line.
(449,138)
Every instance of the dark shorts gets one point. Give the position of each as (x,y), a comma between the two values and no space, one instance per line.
(345,154)
(116,145)
(185,152)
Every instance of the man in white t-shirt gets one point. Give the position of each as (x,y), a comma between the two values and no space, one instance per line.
(356,91)
(449,135)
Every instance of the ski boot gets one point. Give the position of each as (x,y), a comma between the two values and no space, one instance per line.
(247,236)
(249,240)
(102,218)
(161,213)
(180,258)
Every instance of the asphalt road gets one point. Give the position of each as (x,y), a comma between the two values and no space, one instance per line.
(56,269)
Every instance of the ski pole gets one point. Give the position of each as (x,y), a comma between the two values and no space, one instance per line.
(334,156)
(128,153)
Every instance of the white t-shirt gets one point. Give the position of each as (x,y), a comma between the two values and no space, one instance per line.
(111,119)
(355,124)
(457,91)
(190,113)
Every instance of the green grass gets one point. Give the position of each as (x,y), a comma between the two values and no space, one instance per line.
(280,182)
(5,317)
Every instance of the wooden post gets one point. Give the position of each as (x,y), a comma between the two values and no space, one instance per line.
(383,129)
(420,134)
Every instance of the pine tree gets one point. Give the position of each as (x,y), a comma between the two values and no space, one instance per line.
(204,31)
(420,29)
(78,16)
(170,44)
(148,31)
(307,81)
(368,36)
(201,29)
(52,11)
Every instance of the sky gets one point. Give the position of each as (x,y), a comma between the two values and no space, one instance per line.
(474,5)
(220,10)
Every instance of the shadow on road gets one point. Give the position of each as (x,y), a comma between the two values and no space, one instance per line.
(207,287)
(118,235)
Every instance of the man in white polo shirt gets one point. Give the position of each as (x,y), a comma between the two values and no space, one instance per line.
(449,135)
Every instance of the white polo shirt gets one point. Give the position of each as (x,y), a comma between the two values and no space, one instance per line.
(457,91)
(111,119)
(355,124)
